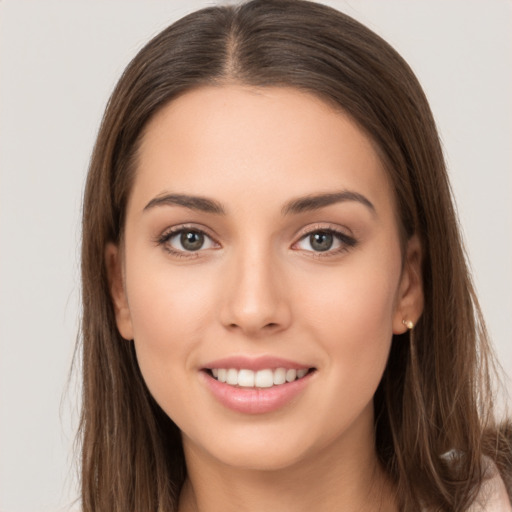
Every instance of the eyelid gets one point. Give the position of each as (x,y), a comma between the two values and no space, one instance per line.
(324,226)
(347,240)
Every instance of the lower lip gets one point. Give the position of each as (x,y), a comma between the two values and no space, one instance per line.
(256,400)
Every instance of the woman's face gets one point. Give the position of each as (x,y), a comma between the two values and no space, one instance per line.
(261,244)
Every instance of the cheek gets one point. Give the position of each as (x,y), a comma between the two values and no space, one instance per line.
(351,315)
(170,311)
(358,296)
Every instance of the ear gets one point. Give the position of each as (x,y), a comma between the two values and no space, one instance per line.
(114,264)
(409,304)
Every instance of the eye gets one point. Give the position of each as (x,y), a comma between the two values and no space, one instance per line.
(325,240)
(186,240)
(320,241)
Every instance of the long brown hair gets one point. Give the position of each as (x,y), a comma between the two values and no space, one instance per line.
(435,395)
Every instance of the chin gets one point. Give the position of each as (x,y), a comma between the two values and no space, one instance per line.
(259,447)
(257,458)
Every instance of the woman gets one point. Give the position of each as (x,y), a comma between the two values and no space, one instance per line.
(277,309)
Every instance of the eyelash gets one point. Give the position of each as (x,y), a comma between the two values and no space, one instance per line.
(347,242)
(166,236)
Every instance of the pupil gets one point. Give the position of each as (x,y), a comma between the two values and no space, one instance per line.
(191,240)
(321,241)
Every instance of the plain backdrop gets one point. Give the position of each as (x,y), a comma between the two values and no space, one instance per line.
(59,61)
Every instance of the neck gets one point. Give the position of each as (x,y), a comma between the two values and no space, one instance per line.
(338,478)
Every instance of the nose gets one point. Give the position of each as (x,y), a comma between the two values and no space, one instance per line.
(255,301)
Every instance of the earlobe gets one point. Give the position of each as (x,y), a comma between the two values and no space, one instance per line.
(410,299)
(113,261)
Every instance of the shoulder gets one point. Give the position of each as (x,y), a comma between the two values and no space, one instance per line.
(493,496)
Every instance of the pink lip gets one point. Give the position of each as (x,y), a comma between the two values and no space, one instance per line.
(255,400)
(254,363)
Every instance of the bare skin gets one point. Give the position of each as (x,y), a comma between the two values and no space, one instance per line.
(353,484)
(261,225)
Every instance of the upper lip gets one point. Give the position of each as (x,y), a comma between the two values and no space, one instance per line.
(255,363)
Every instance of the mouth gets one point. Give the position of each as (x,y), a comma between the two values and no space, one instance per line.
(260,379)
(257,385)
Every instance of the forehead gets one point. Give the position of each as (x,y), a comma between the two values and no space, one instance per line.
(231,141)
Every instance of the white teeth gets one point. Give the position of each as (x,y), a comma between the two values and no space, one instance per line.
(279,376)
(291,375)
(246,378)
(264,379)
(232,377)
(301,373)
(260,379)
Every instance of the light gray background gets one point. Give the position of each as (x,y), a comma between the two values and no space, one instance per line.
(58,63)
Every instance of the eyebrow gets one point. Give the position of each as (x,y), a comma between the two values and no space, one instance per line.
(317,201)
(295,206)
(192,202)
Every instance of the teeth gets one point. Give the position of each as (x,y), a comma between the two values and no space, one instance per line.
(260,379)
(291,375)
(232,377)
(246,378)
(279,376)
(264,379)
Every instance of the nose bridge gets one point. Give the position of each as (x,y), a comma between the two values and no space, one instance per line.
(254,298)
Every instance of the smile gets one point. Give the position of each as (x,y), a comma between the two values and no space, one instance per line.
(265,378)
(264,388)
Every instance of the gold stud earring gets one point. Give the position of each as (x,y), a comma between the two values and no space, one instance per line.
(409,324)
